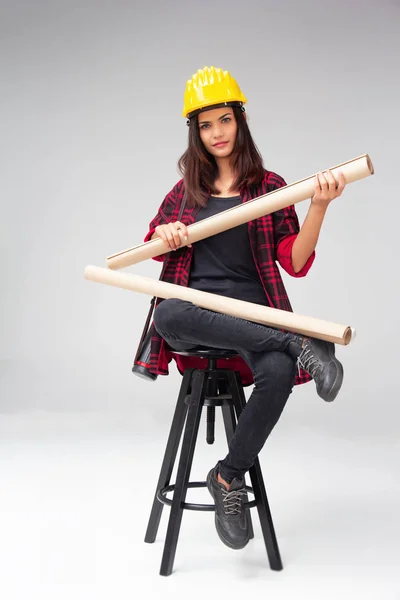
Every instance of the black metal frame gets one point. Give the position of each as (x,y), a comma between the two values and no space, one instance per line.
(210,388)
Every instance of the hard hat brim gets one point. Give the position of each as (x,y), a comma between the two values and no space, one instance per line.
(196,111)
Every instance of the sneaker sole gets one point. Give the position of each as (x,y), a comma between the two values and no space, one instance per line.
(338,379)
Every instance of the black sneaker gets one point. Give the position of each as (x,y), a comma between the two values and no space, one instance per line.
(317,357)
(231,519)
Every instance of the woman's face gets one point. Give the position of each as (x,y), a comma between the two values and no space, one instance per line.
(218,130)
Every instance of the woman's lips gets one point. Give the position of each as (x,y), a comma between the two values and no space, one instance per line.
(220,144)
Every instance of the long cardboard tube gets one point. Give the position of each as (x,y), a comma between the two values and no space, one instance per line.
(274,317)
(353,170)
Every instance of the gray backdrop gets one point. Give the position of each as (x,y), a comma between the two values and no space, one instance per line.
(91,101)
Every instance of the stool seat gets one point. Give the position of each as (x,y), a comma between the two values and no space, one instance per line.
(206,352)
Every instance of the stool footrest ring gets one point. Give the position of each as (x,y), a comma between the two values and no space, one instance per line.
(162,497)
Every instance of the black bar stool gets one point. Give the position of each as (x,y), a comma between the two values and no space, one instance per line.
(209,387)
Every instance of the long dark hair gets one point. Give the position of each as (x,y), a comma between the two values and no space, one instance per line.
(199,168)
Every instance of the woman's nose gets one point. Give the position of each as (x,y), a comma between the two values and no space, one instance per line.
(217,133)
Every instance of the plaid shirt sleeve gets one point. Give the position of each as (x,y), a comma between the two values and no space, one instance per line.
(286,228)
(163,216)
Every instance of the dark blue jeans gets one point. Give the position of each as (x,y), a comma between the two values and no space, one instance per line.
(269,353)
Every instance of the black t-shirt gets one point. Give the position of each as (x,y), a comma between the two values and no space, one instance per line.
(223,263)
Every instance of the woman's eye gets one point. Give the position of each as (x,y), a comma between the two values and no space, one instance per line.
(207,125)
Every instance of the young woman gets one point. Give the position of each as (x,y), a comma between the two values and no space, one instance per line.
(222,168)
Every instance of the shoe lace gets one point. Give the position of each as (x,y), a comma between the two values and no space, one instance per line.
(308,361)
(233,501)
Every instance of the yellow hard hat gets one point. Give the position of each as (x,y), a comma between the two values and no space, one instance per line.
(209,87)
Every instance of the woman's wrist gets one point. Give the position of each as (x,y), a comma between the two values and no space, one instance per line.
(318,209)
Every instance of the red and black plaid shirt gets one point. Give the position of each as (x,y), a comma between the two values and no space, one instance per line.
(271,239)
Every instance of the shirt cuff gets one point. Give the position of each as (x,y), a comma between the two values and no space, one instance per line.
(284,257)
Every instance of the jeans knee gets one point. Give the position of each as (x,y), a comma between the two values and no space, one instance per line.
(166,314)
(276,369)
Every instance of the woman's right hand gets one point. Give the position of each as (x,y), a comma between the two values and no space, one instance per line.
(171,234)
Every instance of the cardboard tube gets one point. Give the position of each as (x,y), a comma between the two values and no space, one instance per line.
(353,170)
(274,317)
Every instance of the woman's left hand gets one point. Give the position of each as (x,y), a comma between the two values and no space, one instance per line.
(327,188)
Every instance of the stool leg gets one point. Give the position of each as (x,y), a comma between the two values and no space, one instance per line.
(183,473)
(228,414)
(228,410)
(169,457)
(260,494)
(264,513)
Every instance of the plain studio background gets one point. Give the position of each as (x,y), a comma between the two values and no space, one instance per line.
(91,99)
